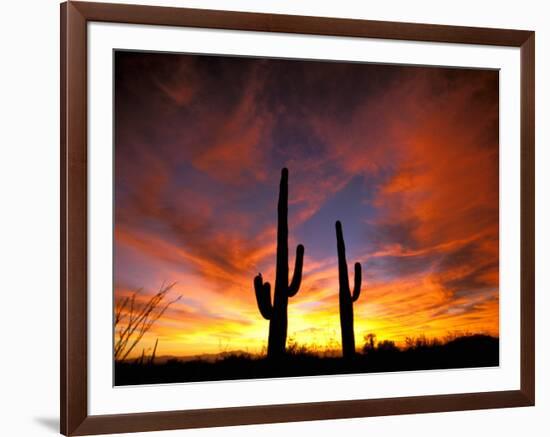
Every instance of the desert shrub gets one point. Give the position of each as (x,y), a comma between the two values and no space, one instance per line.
(370,343)
(387,346)
(132,320)
(294,348)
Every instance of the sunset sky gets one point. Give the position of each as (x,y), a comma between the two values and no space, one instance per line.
(405,157)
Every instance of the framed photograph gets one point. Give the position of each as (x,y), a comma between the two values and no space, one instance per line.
(270,218)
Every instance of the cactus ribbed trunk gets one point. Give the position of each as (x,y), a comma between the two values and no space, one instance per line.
(346,297)
(276,312)
(279,322)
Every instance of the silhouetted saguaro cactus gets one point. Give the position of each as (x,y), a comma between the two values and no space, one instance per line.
(276,312)
(346,297)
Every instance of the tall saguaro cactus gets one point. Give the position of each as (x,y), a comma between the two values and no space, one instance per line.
(276,312)
(346,296)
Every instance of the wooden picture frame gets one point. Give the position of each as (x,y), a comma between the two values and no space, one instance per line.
(75,419)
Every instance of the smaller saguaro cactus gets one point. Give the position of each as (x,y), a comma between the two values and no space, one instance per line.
(346,296)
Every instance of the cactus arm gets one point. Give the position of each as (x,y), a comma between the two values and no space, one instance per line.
(357,283)
(297,277)
(263,297)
